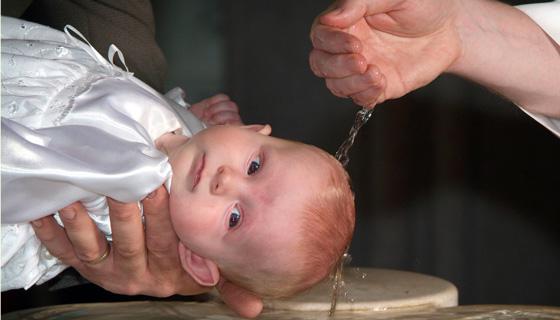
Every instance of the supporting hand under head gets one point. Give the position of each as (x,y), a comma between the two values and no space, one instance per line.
(138,263)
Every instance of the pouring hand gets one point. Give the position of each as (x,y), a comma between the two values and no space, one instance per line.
(374,50)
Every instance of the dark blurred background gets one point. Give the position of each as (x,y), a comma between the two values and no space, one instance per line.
(451,180)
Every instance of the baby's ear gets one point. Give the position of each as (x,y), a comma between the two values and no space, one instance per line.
(204,271)
(265,129)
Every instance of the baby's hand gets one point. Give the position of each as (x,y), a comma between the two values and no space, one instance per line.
(218,109)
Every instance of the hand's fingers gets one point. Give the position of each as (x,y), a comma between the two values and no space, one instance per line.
(344,87)
(161,240)
(347,12)
(326,65)
(217,98)
(332,40)
(129,249)
(226,117)
(239,300)
(200,108)
(224,112)
(369,98)
(55,240)
(223,106)
(89,244)
(344,13)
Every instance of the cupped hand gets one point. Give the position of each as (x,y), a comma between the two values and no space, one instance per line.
(143,258)
(216,110)
(374,50)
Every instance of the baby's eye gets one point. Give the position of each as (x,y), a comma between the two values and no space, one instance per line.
(234,217)
(254,166)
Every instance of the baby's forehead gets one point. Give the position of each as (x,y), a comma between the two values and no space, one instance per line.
(306,151)
(300,172)
(314,160)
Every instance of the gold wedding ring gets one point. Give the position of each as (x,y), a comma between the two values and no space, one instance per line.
(101,257)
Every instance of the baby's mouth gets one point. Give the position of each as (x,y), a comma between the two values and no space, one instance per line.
(198,167)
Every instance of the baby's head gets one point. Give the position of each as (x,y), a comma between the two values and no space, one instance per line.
(270,215)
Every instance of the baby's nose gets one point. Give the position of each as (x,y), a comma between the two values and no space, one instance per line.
(222,180)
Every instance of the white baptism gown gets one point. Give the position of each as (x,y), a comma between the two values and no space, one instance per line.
(74,127)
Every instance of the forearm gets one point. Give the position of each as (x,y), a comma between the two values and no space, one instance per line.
(506,51)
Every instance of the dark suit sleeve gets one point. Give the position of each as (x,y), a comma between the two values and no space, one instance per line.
(127,24)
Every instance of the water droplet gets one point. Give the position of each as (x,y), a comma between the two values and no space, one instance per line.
(346,258)
(338,282)
(364,275)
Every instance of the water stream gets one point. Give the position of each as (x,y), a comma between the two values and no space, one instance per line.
(362,116)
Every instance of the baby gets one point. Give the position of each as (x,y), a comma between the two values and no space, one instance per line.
(270,215)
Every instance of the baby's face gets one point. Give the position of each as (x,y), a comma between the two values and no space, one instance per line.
(237,190)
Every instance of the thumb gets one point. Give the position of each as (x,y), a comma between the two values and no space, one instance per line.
(347,12)
(243,302)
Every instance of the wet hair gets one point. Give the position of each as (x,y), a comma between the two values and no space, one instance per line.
(325,232)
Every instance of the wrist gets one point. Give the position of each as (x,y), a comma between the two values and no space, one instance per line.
(486,30)
(469,30)
(504,50)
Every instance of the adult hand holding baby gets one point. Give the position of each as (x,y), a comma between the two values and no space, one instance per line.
(137,263)
(372,51)
(217,110)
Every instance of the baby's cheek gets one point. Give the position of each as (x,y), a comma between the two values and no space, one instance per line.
(265,197)
(177,211)
(188,219)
